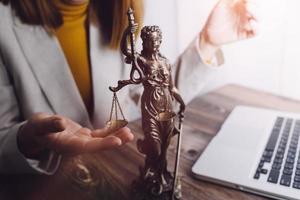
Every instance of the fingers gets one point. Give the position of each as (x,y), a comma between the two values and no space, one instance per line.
(100,132)
(100,144)
(255,27)
(84,141)
(253,17)
(247,24)
(43,123)
(124,134)
(60,123)
(78,145)
(249,29)
(253,10)
(85,132)
(68,141)
(95,144)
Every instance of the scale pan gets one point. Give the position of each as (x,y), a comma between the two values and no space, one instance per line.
(114,125)
(165,116)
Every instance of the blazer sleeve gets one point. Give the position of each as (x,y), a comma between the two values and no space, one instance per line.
(11,159)
(191,72)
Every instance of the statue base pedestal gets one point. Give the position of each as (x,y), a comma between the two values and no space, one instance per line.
(140,192)
(145,190)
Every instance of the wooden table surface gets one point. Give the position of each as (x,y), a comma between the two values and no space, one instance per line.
(109,175)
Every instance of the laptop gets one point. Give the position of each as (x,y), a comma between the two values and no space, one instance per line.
(256,150)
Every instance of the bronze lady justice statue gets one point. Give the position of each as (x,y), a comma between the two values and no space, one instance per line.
(152,70)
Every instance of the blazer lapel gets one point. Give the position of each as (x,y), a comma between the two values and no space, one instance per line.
(51,69)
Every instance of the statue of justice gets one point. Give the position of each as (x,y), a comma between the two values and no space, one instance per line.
(151,69)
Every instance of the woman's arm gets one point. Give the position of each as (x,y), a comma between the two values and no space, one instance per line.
(11,159)
(28,146)
(229,21)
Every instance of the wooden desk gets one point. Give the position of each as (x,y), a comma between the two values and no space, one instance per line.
(204,118)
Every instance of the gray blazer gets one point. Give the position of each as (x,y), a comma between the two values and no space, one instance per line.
(35,77)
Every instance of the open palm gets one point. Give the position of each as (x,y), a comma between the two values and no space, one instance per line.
(66,137)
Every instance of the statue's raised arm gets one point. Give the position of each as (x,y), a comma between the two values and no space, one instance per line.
(136,74)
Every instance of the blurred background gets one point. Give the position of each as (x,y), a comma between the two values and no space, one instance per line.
(268,62)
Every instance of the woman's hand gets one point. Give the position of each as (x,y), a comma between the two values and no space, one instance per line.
(64,136)
(230,21)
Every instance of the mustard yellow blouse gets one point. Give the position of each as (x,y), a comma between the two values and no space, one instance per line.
(73,38)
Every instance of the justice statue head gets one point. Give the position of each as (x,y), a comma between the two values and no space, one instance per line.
(152,37)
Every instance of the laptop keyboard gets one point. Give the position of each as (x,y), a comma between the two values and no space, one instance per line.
(281,153)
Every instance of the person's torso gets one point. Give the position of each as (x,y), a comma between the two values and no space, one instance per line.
(42,79)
